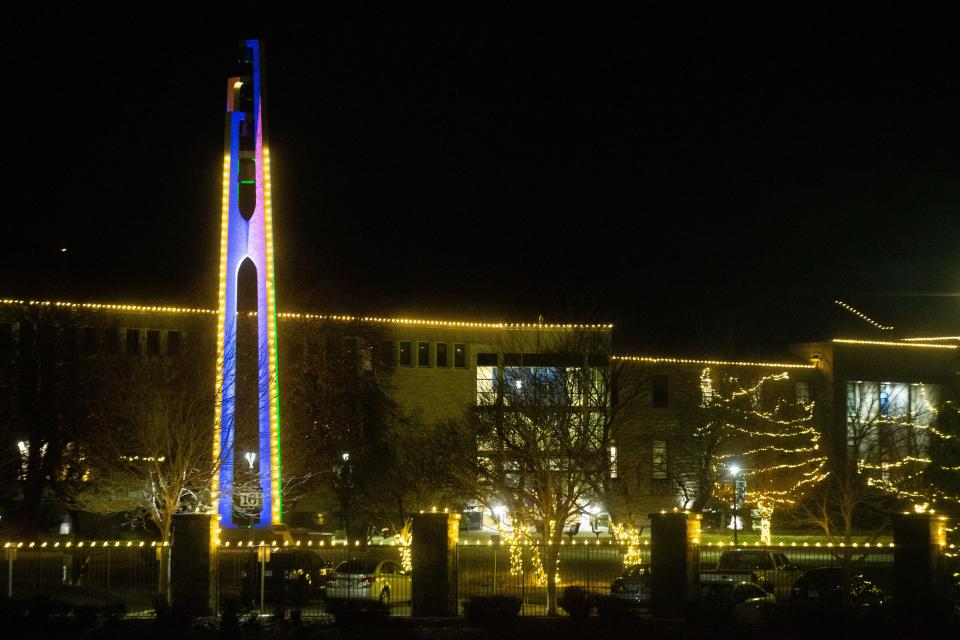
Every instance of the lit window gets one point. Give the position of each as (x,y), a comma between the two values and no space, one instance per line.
(486,385)
(614,464)
(659,460)
(406,354)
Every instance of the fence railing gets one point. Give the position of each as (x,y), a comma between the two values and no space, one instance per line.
(129,575)
(873,562)
(250,579)
(500,569)
(125,575)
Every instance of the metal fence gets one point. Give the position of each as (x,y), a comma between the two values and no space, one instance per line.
(495,569)
(124,575)
(873,562)
(300,576)
(128,575)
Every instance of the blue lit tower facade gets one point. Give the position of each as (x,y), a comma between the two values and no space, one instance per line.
(246,243)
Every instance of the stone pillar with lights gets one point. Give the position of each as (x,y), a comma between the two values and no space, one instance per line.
(918,561)
(192,563)
(434,549)
(674,560)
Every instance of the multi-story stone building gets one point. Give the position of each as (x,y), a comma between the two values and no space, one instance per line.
(438,369)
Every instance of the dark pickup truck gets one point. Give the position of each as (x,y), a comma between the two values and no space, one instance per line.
(769,569)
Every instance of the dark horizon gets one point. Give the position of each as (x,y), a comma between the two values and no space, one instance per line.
(674,174)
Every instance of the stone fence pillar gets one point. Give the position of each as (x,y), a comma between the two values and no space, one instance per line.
(918,561)
(192,563)
(434,556)
(674,561)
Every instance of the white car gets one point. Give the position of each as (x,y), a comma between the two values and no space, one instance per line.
(369,579)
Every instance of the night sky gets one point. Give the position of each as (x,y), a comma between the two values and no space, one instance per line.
(675,173)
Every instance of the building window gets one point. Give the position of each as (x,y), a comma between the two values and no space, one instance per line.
(487,377)
(423,354)
(441,354)
(406,354)
(89,340)
(659,460)
(366,359)
(350,359)
(385,354)
(661,390)
(614,463)
(153,342)
(173,343)
(460,356)
(133,342)
(803,392)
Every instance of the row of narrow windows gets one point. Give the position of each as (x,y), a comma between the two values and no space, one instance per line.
(433,354)
(90,340)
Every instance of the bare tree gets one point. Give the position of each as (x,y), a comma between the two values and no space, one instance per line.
(538,444)
(146,447)
(43,392)
(885,462)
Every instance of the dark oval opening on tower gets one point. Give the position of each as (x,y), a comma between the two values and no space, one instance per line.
(247,187)
(246,413)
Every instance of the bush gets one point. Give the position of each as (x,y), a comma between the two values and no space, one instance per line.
(613,610)
(492,610)
(85,615)
(230,616)
(577,601)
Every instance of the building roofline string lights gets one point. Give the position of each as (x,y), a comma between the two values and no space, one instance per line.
(862,316)
(729,363)
(287,315)
(934,339)
(902,345)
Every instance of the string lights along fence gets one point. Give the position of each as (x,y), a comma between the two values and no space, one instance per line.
(125,576)
(516,570)
(301,576)
(259,577)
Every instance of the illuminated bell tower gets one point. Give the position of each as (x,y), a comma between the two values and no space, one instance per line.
(246,240)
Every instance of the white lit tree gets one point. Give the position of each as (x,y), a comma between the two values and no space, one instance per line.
(768,433)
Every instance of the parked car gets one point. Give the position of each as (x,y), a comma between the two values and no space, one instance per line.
(770,569)
(290,577)
(746,603)
(834,588)
(634,584)
(369,578)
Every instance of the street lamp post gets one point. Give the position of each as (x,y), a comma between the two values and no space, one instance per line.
(739,489)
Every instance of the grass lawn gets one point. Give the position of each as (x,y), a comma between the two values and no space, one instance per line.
(726,537)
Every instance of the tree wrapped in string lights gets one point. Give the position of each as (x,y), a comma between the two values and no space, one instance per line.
(905,444)
(770,434)
(901,452)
